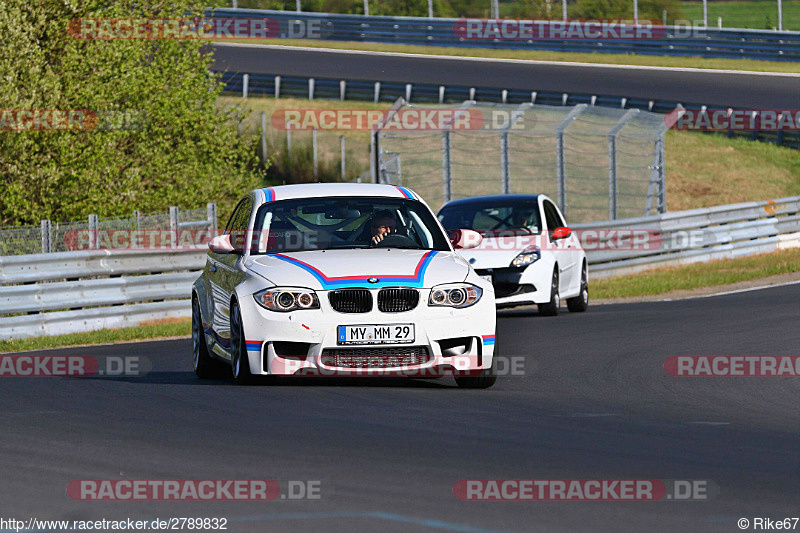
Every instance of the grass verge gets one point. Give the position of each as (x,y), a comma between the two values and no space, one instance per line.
(754,14)
(713,273)
(544,55)
(179,328)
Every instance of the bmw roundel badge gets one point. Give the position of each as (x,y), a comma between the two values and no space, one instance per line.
(373,280)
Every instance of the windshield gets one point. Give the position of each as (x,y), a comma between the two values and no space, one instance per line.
(521,217)
(336,223)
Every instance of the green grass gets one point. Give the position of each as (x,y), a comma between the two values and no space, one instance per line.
(755,14)
(180,328)
(709,274)
(543,55)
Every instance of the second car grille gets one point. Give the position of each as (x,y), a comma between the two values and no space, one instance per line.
(375,357)
(351,300)
(397,300)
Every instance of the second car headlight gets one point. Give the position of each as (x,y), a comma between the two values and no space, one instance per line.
(285,300)
(527,256)
(454,295)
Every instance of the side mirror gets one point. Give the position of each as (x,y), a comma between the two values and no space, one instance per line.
(221,244)
(561,233)
(464,239)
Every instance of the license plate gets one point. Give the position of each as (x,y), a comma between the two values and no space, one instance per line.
(487,277)
(376,334)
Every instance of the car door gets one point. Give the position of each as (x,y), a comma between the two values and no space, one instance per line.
(225,273)
(565,250)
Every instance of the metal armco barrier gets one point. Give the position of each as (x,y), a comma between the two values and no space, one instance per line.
(698,235)
(69,292)
(676,40)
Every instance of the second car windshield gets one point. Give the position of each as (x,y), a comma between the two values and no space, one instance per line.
(487,218)
(306,224)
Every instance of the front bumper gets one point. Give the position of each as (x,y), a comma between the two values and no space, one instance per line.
(520,286)
(306,342)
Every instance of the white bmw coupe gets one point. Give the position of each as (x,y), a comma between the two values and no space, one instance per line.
(342,279)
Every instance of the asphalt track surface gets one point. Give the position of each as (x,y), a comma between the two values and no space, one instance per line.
(692,86)
(595,402)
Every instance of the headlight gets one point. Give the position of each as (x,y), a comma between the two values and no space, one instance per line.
(285,300)
(527,256)
(454,295)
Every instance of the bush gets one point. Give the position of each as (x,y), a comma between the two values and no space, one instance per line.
(184,152)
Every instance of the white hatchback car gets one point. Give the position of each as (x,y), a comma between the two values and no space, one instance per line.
(341,279)
(528,252)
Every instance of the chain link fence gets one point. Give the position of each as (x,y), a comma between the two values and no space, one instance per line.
(598,163)
(109,233)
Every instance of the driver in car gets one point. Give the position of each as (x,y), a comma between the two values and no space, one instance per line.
(383,223)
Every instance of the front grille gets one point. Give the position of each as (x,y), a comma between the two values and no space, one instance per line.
(375,357)
(351,300)
(397,300)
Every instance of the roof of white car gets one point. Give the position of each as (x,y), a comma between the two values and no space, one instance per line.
(317,190)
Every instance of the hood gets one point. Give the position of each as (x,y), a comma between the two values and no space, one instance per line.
(334,269)
(498,252)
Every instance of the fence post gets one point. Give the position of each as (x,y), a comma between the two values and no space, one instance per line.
(47,237)
(374,167)
(504,164)
(314,149)
(94,237)
(408,92)
(560,163)
(613,193)
(662,176)
(173,226)
(245,85)
(211,216)
(288,140)
(342,149)
(310,88)
(138,218)
(366,8)
(377,91)
(342,89)
(277,86)
(447,178)
(263,137)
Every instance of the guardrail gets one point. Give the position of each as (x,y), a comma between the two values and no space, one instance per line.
(69,292)
(676,40)
(278,86)
(632,245)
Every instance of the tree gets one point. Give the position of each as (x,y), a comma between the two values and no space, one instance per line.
(181,149)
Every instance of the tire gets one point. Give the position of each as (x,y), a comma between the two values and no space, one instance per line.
(484,380)
(580,303)
(205,366)
(240,363)
(551,308)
